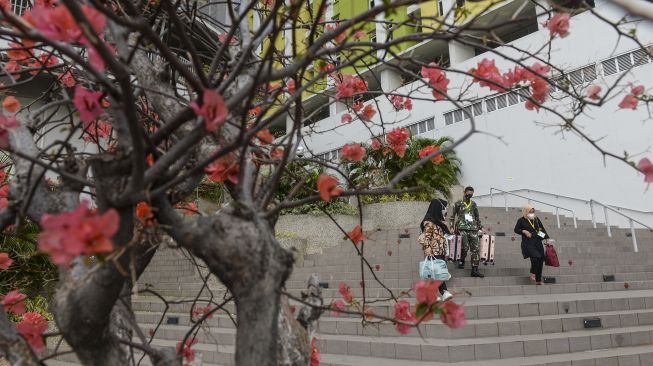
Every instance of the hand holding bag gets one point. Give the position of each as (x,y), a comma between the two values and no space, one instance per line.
(550,255)
(434,269)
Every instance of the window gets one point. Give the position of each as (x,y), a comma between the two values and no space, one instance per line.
(373,36)
(467,114)
(371,4)
(448,118)
(624,62)
(430,124)
(458,115)
(640,57)
(501,101)
(460,3)
(513,98)
(491,105)
(18,7)
(413,130)
(440,8)
(478,108)
(609,66)
(589,73)
(576,77)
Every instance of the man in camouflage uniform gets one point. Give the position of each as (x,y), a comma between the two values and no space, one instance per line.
(466,222)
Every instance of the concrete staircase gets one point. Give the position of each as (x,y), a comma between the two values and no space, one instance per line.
(510,320)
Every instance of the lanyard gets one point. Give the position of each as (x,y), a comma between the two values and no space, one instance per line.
(467,205)
(532,224)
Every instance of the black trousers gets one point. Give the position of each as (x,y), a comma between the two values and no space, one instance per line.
(443,286)
(536,268)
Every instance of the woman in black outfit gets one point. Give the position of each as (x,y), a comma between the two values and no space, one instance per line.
(532,233)
(432,239)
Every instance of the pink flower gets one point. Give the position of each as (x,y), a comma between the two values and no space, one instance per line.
(88,104)
(6,124)
(487,74)
(368,113)
(514,76)
(403,314)
(453,315)
(353,152)
(82,231)
(32,327)
(13,67)
(68,80)
(186,351)
(96,59)
(328,187)
(346,118)
(202,311)
(95,131)
(315,353)
(359,34)
(190,209)
(426,292)
(356,235)
(637,90)
(58,24)
(400,103)
(646,167)
(376,144)
(345,291)
(348,85)
(397,139)
(593,92)
(5,261)
(290,86)
(11,104)
(431,150)
(338,306)
(265,137)
(437,79)
(223,169)
(14,302)
(558,24)
(629,102)
(213,109)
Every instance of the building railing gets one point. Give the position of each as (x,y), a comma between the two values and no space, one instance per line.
(631,221)
(507,193)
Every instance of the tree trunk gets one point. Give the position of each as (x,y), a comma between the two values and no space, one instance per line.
(257,331)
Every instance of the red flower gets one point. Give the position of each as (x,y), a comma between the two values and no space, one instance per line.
(96,59)
(390,253)
(14,302)
(144,213)
(58,23)
(345,291)
(186,351)
(149,160)
(353,152)
(629,102)
(290,86)
(5,261)
(32,328)
(13,67)
(191,209)
(356,235)
(222,170)
(337,38)
(558,24)
(68,80)
(315,353)
(265,137)
(403,314)
(626,285)
(517,75)
(69,234)
(97,130)
(348,85)
(453,315)
(593,92)
(20,51)
(357,107)
(328,187)
(346,118)
(202,311)
(376,144)
(277,153)
(359,34)
(368,313)
(487,74)
(437,79)
(570,262)
(213,110)
(368,113)
(11,104)
(6,124)
(397,139)
(646,167)
(426,292)
(88,104)
(399,103)
(637,90)
(255,111)
(431,150)
(337,306)
(377,267)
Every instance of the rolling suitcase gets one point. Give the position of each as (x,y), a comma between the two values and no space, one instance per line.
(488,243)
(455,247)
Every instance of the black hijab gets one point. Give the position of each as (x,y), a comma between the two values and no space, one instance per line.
(434,214)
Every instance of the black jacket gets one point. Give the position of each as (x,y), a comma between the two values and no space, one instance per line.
(531,247)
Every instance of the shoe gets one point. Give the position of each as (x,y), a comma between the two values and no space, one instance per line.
(446,296)
(539,283)
(532,277)
(461,265)
(476,273)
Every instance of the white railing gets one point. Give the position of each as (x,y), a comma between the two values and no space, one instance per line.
(631,221)
(505,200)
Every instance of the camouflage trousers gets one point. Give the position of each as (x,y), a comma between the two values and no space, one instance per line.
(470,244)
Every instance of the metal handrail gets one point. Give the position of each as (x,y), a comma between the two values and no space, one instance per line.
(558,208)
(631,221)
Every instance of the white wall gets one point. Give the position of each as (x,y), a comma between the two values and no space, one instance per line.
(517,152)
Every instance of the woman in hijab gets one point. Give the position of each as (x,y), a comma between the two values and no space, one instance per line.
(434,243)
(532,233)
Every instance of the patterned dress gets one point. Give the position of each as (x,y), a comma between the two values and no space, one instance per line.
(432,240)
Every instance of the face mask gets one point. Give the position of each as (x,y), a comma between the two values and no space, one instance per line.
(469,196)
(531,216)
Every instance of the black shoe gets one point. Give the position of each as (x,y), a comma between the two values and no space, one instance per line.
(461,265)
(476,273)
